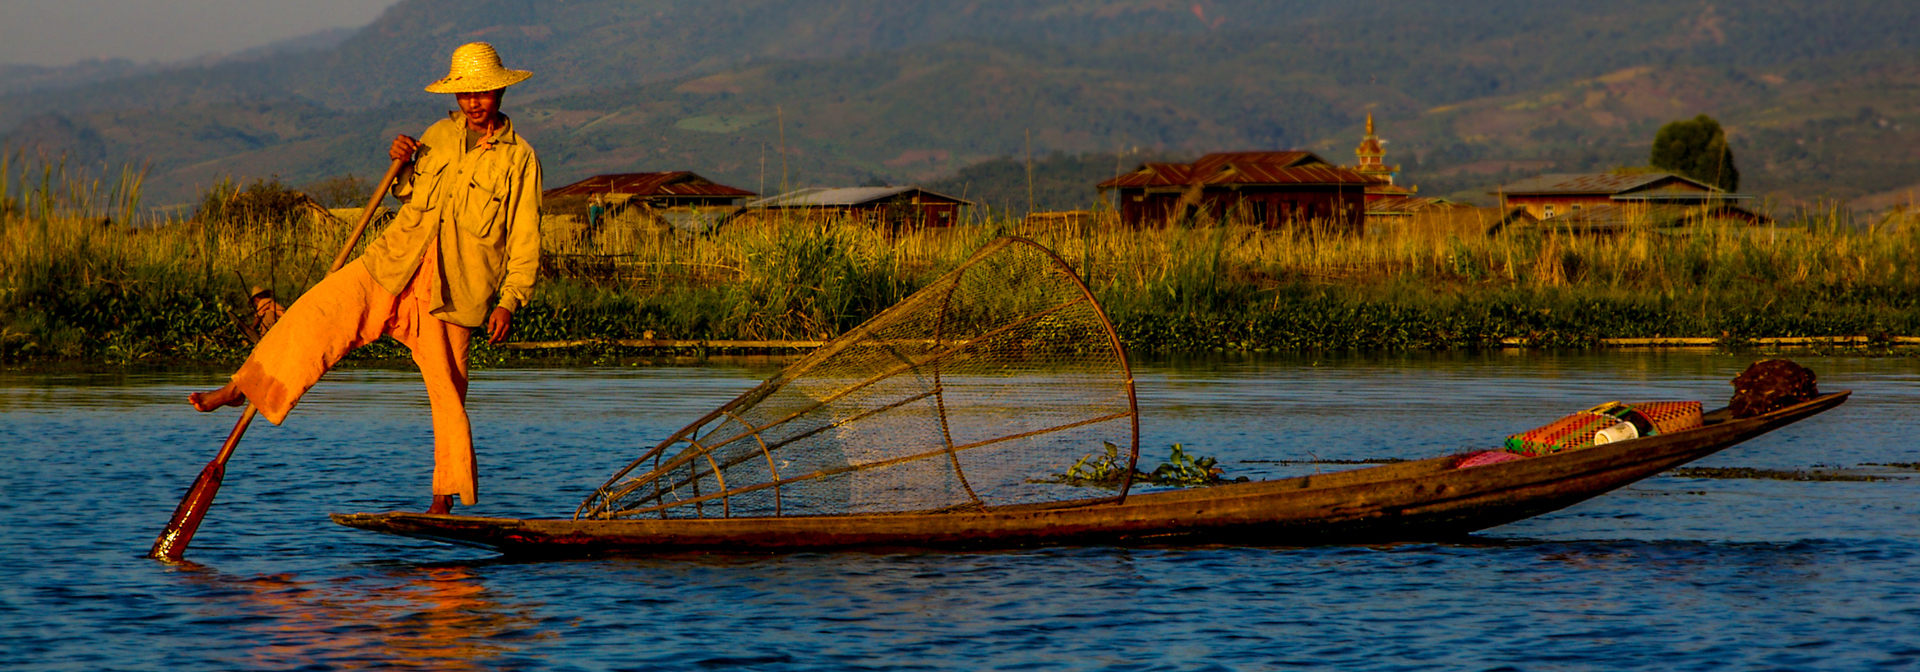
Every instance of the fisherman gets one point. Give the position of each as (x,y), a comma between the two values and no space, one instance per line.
(594,212)
(461,254)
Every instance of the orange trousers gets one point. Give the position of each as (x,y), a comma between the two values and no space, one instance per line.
(347,310)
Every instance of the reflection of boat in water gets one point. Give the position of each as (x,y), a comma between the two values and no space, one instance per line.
(1427,499)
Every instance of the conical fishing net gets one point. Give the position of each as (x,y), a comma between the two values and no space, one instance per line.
(971,394)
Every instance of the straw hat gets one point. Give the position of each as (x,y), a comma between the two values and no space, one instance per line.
(475,68)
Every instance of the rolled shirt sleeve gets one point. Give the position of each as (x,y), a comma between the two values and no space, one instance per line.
(403,183)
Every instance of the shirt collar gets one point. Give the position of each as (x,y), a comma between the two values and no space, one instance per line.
(504,136)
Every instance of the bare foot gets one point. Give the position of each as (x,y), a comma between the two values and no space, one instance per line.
(441,504)
(206,402)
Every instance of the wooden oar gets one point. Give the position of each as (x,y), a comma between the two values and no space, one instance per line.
(172,544)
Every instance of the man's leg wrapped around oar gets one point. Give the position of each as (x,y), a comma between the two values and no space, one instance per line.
(347,310)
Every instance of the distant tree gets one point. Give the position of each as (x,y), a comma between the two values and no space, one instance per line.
(1696,148)
(341,191)
(265,202)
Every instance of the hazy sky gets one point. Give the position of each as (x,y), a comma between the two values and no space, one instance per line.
(60,32)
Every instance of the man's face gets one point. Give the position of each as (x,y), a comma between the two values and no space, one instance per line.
(479,108)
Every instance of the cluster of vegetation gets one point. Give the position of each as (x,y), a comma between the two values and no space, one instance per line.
(1771,474)
(265,201)
(1107,470)
(341,191)
(1696,148)
(76,282)
(84,276)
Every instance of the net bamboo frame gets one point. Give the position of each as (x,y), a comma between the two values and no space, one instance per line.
(971,394)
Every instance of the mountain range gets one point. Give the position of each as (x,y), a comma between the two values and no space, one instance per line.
(1821,99)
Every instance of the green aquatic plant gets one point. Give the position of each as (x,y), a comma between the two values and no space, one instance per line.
(1106,469)
(1181,469)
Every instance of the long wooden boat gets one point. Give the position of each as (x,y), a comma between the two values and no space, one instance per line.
(1423,500)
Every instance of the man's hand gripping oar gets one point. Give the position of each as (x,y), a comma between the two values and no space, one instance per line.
(172,544)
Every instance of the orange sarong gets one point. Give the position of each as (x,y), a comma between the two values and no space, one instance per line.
(349,309)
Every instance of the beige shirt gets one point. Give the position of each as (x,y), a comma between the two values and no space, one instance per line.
(479,210)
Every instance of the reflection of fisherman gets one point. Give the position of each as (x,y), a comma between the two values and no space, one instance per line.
(408,617)
(461,254)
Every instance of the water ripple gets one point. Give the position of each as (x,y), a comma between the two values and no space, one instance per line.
(1669,574)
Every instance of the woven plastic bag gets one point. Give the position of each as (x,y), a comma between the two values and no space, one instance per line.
(1670,416)
(1579,430)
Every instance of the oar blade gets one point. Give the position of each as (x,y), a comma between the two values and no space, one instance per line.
(172,543)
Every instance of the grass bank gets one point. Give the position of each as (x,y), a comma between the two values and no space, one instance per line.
(77,282)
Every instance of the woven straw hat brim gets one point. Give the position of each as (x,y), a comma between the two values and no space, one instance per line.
(478,83)
(475,68)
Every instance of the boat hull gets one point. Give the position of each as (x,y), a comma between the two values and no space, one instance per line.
(1423,500)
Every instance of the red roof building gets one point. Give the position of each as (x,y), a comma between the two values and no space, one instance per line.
(660,190)
(1273,189)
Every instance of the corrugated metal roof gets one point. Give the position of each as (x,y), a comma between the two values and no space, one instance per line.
(1212,163)
(1153,175)
(1680,191)
(646,185)
(813,197)
(1409,205)
(1230,168)
(1268,173)
(1590,183)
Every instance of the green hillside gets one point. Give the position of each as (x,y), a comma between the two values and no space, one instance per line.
(1820,99)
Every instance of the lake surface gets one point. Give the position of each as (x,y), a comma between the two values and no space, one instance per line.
(1668,574)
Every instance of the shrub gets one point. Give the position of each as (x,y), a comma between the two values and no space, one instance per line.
(265,201)
(341,191)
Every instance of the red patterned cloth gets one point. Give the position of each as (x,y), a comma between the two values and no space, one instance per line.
(1573,431)
(1488,457)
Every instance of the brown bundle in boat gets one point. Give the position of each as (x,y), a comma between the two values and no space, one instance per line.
(963,397)
(1770,385)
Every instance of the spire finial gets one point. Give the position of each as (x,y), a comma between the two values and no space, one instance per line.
(1369,122)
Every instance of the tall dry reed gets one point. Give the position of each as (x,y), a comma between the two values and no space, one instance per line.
(79,277)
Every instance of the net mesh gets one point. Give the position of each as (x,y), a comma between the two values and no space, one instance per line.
(965,396)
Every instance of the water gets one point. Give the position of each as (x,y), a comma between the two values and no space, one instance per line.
(1668,574)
